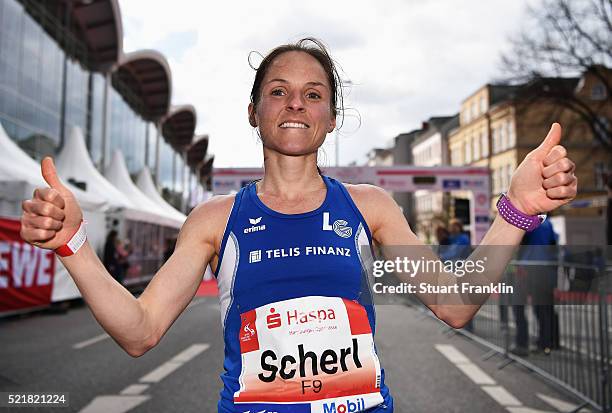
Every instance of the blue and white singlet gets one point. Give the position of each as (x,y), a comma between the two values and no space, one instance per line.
(297,312)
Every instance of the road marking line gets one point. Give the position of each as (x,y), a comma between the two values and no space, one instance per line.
(134,389)
(561,405)
(476,374)
(115,404)
(189,353)
(450,352)
(129,397)
(502,396)
(160,372)
(524,409)
(177,361)
(90,341)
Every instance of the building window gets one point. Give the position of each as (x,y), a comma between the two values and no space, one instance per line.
(496,181)
(511,135)
(484,144)
(476,148)
(466,116)
(503,144)
(456,156)
(474,110)
(508,176)
(467,147)
(495,140)
(483,105)
(602,173)
(598,91)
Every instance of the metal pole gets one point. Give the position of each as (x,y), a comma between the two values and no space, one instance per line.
(105,104)
(147,144)
(157,139)
(337,148)
(62,131)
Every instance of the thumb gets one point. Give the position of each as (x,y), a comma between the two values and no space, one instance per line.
(50,174)
(551,140)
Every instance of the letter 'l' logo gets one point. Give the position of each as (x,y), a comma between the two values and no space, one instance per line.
(326,226)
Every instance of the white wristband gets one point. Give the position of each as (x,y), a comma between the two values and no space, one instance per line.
(73,245)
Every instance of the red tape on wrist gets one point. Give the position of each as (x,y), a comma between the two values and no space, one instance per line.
(76,241)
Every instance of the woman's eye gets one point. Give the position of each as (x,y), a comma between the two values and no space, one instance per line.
(314,95)
(277,92)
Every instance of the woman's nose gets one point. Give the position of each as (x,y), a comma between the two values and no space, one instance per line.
(295,102)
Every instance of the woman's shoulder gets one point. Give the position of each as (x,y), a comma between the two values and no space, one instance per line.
(209,218)
(371,200)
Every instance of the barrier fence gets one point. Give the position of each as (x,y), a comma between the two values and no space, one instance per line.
(575,353)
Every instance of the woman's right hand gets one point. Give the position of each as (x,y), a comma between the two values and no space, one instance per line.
(53,215)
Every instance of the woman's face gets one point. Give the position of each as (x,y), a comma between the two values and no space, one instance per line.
(293,113)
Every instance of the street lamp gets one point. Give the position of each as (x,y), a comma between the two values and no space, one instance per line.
(344,83)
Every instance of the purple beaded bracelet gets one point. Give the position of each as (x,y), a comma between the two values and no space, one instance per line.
(516,217)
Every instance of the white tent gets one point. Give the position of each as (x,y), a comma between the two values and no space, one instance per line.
(119,176)
(19,175)
(74,162)
(17,166)
(146,185)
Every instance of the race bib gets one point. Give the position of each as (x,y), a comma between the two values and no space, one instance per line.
(308,354)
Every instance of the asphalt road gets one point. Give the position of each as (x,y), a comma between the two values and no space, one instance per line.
(427,369)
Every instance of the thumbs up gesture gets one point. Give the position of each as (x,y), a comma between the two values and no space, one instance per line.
(545,179)
(53,215)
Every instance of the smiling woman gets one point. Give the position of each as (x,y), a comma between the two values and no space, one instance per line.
(298,326)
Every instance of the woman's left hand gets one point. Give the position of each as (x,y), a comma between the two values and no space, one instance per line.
(545,179)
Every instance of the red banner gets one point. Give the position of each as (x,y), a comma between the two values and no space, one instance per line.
(26,272)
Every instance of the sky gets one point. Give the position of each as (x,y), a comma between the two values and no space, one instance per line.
(404,61)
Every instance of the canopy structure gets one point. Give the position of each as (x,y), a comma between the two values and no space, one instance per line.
(119,176)
(197,152)
(95,23)
(178,126)
(144,80)
(74,163)
(146,185)
(206,168)
(16,165)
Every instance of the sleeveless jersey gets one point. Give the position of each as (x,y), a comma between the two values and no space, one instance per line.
(296,308)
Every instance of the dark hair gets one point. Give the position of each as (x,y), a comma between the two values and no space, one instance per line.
(314,48)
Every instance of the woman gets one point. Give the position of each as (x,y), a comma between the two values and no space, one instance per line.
(296,308)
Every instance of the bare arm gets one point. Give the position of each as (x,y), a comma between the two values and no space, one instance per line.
(543,182)
(50,219)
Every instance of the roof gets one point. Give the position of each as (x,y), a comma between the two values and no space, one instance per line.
(197,151)
(434,124)
(207,166)
(94,25)
(144,80)
(179,125)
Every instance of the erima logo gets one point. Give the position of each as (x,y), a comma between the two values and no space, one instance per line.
(254,227)
(340,226)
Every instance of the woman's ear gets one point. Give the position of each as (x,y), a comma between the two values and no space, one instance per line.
(252,119)
(332,125)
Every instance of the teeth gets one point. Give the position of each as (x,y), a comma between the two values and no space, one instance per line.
(293,125)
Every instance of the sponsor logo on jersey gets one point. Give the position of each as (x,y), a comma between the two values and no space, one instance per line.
(254,225)
(340,226)
(351,405)
(295,317)
(254,256)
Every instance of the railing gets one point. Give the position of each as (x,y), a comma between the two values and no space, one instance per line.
(577,356)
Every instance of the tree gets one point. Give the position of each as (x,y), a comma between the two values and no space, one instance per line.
(564,38)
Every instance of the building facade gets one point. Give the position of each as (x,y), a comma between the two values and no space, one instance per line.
(62,65)
(499,125)
(429,149)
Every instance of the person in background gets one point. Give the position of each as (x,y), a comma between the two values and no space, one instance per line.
(539,246)
(110,257)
